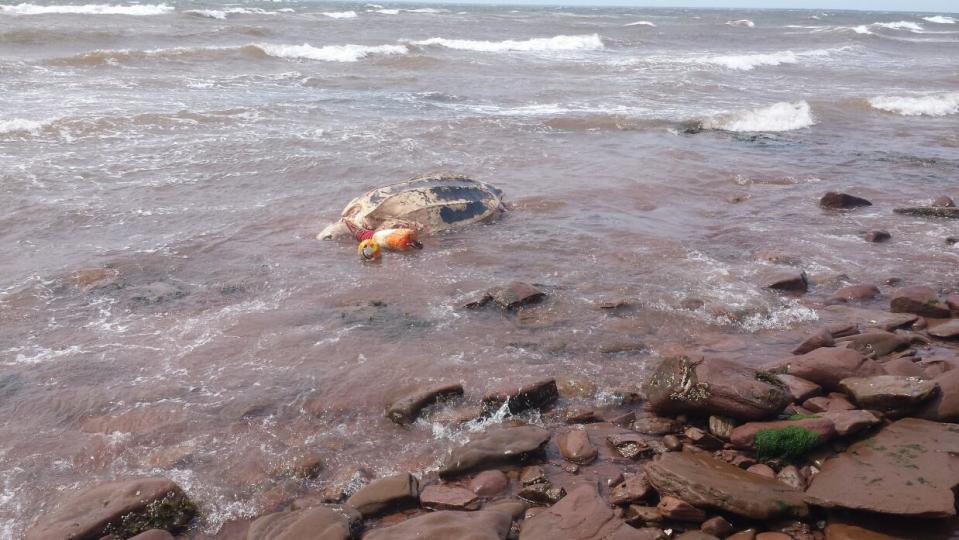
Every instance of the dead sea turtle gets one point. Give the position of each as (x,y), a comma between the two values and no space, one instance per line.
(430,203)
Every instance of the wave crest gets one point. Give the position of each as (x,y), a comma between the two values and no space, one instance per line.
(745,23)
(928,105)
(747,62)
(329,53)
(591,42)
(139,10)
(340,14)
(641,23)
(940,19)
(783,116)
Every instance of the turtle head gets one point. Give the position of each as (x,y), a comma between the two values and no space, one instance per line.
(335,231)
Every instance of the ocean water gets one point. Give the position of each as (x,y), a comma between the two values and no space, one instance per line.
(164,168)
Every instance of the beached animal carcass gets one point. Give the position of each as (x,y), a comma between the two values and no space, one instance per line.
(430,204)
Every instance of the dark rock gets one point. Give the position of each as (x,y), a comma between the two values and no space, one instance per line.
(489,483)
(889,392)
(680,510)
(406,409)
(702,439)
(714,386)
(841,531)
(909,469)
(638,515)
(800,389)
(773,536)
(842,201)
(672,443)
(576,448)
(707,482)
(762,470)
(948,330)
(124,507)
(153,534)
(850,422)
(534,395)
(933,212)
(156,293)
(877,236)
(721,427)
(827,366)
(695,535)
(534,474)
(389,493)
(656,425)
(542,493)
(822,338)
(748,534)
(717,526)
(332,523)
(495,447)
(742,436)
(855,293)
(631,490)
(447,525)
(630,446)
(922,301)
(512,296)
(437,497)
(943,201)
(581,515)
(307,466)
(787,281)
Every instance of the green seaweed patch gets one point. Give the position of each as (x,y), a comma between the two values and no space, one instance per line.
(800,416)
(171,513)
(790,442)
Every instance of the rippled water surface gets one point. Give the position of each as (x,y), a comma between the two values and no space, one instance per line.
(164,168)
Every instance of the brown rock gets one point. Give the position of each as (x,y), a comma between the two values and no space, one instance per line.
(934,212)
(672,443)
(405,410)
(631,490)
(534,474)
(841,531)
(489,483)
(515,295)
(575,447)
(882,474)
(877,236)
(889,392)
(385,494)
(871,317)
(497,446)
(345,482)
(717,526)
(790,476)
(850,422)
(656,425)
(721,427)
(762,470)
(826,367)
(438,497)
(943,201)
(773,536)
(446,525)
(707,482)
(88,513)
(638,515)
(153,534)
(842,201)
(787,280)
(904,366)
(696,535)
(948,330)
(581,515)
(714,386)
(514,507)
(542,493)
(952,300)
(748,534)
(944,407)
(876,344)
(822,403)
(922,301)
(329,523)
(743,435)
(800,389)
(822,338)
(307,466)
(629,445)
(534,395)
(843,329)
(680,510)
(702,439)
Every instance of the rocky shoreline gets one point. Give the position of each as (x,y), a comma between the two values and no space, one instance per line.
(853,436)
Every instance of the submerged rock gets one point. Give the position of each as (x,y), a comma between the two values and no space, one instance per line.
(922,301)
(909,469)
(447,525)
(842,201)
(949,330)
(438,497)
(889,392)
(405,410)
(877,237)
(827,366)
(515,295)
(854,293)
(934,212)
(822,338)
(495,447)
(535,395)
(385,494)
(329,523)
(581,515)
(787,281)
(576,448)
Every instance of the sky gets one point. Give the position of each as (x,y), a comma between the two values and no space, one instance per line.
(920,6)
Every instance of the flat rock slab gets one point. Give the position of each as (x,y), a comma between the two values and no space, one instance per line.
(328,523)
(872,317)
(742,436)
(923,301)
(437,497)
(714,386)
(934,212)
(876,343)
(949,330)
(496,447)
(850,422)
(405,410)
(87,513)
(447,525)
(909,469)
(945,406)
(533,395)
(828,366)
(800,389)
(889,392)
(581,515)
(385,494)
(706,482)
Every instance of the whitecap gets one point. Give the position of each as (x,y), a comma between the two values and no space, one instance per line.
(426,10)
(386,11)
(745,23)
(329,53)
(747,62)
(340,14)
(556,43)
(940,19)
(87,9)
(20,126)
(783,116)
(900,25)
(942,104)
(641,23)
(208,13)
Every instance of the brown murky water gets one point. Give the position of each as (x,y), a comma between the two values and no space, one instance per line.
(164,307)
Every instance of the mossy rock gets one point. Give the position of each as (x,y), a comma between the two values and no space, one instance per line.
(171,513)
(790,442)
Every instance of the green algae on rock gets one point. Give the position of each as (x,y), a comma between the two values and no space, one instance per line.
(790,442)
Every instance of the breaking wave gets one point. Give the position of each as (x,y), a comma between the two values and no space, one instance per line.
(340,14)
(745,23)
(20,126)
(747,62)
(329,53)
(641,23)
(927,105)
(939,19)
(87,9)
(783,116)
(222,14)
(590,42)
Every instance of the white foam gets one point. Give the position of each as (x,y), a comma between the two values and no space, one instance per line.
(745,23)
(386,11)
(900,25)
(222,14)
(340,14)
(783,116)
(19,125)
(208,13)
(426,10)
(329,53)
(641,23)
(87,9)
(590,42)
(939,19)
(861,29)
(747,62)
(925,105)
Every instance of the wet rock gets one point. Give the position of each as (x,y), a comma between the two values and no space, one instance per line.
(872,318)
(389,493)
(695,535)
(405,410)
(581,515)
(933,212)
(773,536)
(744,435)
(889,392)
(944,407)
(542,493)
(656,425)
(790,476)
(909,469)
(721,427)
(680,510)
(822,403)
(638,515)
(489,483)
(514,507)
(630,446)
(534,474)
(877,237)
(949,330)
(839,330)
(842,201)
(717,526)
(850,422)
(332,523)
(446,525)
(437,497)
(702,439)
(535,395)
(952,300)
(854,293)
(632,489)
(515,295)
(800,389)
(707,482)
(307,466)
(876,343)
(922,301)
(497,446)
(344,483)
(714,386)
(123,507)
(903,366)
(88,279)
(155,293)
(822,338)
(672,443)
(943,201)
(575,447)
(748,534)
(827,366)
(787,281)
(762,470)
(153,534)
(841,531)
